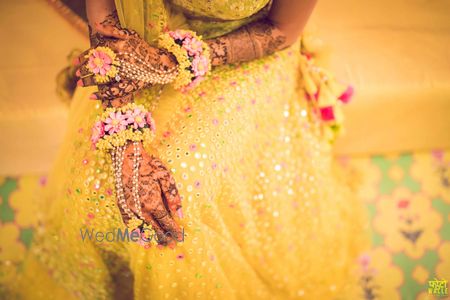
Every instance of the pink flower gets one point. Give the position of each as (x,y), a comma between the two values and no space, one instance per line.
(98,131)
(179,34)
(347,95)
(115,123)
(327,113)
(192,46)
(200,65)
(364,260)
(99,62)
(136,118)
(150,121)
(194,83)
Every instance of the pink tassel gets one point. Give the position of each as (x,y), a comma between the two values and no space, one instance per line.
(327,113)
(347,95)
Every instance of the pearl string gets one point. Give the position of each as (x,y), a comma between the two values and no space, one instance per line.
(171,70)
(135,179)
(146,72)
(117,156)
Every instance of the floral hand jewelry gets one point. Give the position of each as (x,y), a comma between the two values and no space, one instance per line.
(192,55)
(112,131)
(105,65)
(326,96)
(116,126)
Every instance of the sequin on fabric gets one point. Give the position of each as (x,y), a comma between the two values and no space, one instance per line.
(264,215)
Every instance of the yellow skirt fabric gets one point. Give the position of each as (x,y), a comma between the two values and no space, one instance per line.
(265,216)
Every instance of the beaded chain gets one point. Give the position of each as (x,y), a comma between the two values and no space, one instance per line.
(117,156)
(135,183)
(117,160)
(148,73)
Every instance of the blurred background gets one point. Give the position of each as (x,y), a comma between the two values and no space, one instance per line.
(396,149)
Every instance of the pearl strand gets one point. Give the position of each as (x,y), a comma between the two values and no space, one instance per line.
(117,158)
(147,73)
(130,71)
(171,70)
(135,179)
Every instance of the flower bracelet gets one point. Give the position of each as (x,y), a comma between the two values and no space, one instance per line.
(116,126)
(192,55)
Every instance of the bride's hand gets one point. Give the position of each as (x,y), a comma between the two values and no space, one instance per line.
(123,42)
(158,194)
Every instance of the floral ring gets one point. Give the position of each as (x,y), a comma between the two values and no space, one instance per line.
(103,64)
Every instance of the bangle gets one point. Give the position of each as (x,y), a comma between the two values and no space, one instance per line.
(116,126)
(192,55)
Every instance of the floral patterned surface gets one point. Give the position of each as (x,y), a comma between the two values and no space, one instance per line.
(407,195)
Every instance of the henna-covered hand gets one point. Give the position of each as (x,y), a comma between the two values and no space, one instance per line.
(158,195)
(280,29)
(160,201)
(123,42)
(249,42)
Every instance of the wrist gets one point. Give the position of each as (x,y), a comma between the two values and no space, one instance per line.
(118,102)
(100,11)
(192,55)
(117,127)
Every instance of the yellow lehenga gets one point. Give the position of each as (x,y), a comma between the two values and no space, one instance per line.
(264,214)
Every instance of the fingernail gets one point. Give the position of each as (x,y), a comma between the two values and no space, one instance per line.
(180,213)
(93,97)
(78,73)
(79,82)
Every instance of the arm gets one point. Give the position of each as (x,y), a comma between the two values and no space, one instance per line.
(279,30)
(154,196)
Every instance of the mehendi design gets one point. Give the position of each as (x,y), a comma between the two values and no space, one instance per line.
(249,42)
(143,55)
(219,51)
(111,20)
(156,188)
(159,196)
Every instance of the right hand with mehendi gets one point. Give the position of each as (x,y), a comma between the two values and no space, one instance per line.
(123,42)
(159,197)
